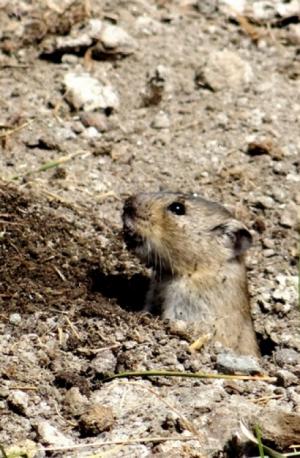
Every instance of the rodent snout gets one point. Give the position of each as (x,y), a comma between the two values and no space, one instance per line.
(131,237)
(130,208)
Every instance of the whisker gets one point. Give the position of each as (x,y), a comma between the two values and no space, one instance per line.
(160,267)
(169,259)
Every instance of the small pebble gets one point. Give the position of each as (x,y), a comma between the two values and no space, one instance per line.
(290,215)
(74,401)
(15,319)
(114,39)
(96,419)
(70,59)
(265,202)
(280,168)
(224,69)
(287,356)
(52,436)
(230,363)
(18,401)
(161,121)
(88,93)
(268,243)
(269,253)
(94,119)
(105,362)
(282,309)
(279,195)
(91,133)
(286,378)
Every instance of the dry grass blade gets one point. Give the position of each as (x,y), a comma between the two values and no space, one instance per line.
(138,440)
(200,375)
(250,436)
(50,165)
(16,129)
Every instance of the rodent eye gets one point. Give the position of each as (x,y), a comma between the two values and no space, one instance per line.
(177,207)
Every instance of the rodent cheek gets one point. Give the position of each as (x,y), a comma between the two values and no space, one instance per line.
(225,253)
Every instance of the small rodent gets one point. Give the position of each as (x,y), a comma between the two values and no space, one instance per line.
(196,249)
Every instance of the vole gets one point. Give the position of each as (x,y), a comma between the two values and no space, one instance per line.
(196,249)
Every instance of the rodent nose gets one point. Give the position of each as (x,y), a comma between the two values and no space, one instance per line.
(129,208)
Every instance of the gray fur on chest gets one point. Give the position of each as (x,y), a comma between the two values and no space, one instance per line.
(178,300)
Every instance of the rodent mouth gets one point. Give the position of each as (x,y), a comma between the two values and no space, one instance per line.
(132,239)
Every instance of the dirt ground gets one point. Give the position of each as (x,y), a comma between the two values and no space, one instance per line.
(200,97)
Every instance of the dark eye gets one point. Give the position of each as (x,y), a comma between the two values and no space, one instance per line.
(177,207)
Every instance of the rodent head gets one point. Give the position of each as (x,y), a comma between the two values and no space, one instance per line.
(180,233)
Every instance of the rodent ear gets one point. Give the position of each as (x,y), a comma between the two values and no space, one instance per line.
(235,236)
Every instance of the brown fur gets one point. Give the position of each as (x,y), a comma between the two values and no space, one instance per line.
(196,248)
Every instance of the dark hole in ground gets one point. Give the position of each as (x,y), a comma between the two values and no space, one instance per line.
(284,22)
(56,56)
(129,292)
(67,379)
(266,345)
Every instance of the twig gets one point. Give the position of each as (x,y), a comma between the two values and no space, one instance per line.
(201,375)
(59,273)
(120,442)
(265,399)
(14,66)
(23,388)
(16,129)
(50,165)
(96,350)
(67,319)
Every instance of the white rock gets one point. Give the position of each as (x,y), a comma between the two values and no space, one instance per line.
(116,39)
(15,319)
(52,436)
(295,33)
(69,59)
(19,401)
(104,362)
(87,93)
(98,34)
(293,177)
(287,290)
(95,28)
(232,6)
(263,10)
(290,216)
(161,121)
(226,69)
(266,201)
(91,132)
(231,363)
(286,219)
(268,10)
(281,308)
(288,8)
(72,42)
